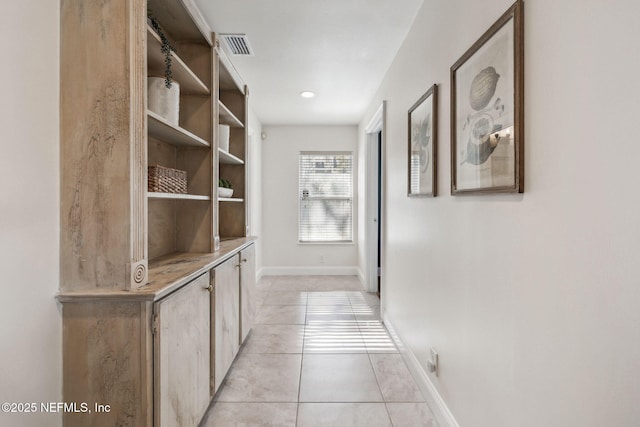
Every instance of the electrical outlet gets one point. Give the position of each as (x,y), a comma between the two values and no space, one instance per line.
(432,363)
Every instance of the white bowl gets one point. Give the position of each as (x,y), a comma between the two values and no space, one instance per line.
(225,192)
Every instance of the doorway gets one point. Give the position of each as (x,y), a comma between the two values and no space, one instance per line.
(374,193)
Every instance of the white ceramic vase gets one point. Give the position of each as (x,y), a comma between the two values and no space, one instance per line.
(223,137)
(164,101)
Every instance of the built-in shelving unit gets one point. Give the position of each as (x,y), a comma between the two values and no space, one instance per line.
(232,100)
(142,319)
(180,223)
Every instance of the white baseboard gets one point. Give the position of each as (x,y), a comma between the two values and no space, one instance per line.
(309,271)
(362,279)
(434,400)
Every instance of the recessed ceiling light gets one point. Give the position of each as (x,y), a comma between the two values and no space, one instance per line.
(307,94)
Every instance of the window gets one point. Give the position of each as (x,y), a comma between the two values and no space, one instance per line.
(326,197)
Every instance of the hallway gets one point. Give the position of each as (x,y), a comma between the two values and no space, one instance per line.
(318,356)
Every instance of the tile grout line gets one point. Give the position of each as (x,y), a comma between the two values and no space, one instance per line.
(375,374)
(304,336)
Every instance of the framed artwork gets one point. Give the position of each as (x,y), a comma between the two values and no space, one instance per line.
(487,110)
(423,140)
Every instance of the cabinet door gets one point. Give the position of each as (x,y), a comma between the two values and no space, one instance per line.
(247,290)
(182,355)
(226,317)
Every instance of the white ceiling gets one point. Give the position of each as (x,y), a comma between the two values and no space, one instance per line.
(340,49)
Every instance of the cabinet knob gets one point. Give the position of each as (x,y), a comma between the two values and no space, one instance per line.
(209,288)
(244,260)
(238,265)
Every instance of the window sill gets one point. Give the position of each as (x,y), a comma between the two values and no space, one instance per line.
(326,243)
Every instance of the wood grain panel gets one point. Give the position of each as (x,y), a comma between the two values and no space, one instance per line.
(247,291)
(162,232)
(107,360)
(232,219)
(182,355)
(193,226)
(102,144)
(227,321)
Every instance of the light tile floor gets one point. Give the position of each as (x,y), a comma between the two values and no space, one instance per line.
(318,356)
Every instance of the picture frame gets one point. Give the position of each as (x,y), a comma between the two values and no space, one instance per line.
(487,110)
(423,145)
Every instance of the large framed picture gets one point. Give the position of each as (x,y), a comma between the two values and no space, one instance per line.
(423,141)
(487,110)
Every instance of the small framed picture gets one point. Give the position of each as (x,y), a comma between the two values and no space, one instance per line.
(487,110)
(423,141)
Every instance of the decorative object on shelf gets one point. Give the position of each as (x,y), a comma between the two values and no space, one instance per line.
(423,139)
(163,100)
(166,180)
(225,189)
(166,48)
(487,110)
(223,137)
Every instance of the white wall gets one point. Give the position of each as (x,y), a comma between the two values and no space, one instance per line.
(282,253)
(30,322)
(533,300)
(255,184)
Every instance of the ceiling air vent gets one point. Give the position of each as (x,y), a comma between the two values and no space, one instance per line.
(237,44)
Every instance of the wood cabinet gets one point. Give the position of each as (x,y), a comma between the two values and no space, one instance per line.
(247,290)
(234,309)
(158,354)
(182,355)
(226,317)
(107,359)
(137,320)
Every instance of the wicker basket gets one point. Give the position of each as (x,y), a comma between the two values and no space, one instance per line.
(167,180)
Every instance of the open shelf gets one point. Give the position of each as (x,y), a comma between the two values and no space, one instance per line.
(181,20)
(228,118)
(174,196)
(229,78)
(160,128)
(230,199)
(228,158)
(190,84)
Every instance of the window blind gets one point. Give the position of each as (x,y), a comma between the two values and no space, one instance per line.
(326,197)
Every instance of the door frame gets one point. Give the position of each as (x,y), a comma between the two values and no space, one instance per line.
(376,125)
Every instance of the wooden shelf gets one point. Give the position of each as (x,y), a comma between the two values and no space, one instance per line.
(228,158)
(229,78)
(160,128)
(173,196)
(230,199)
(190,84)
(228,118)
(182,20)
